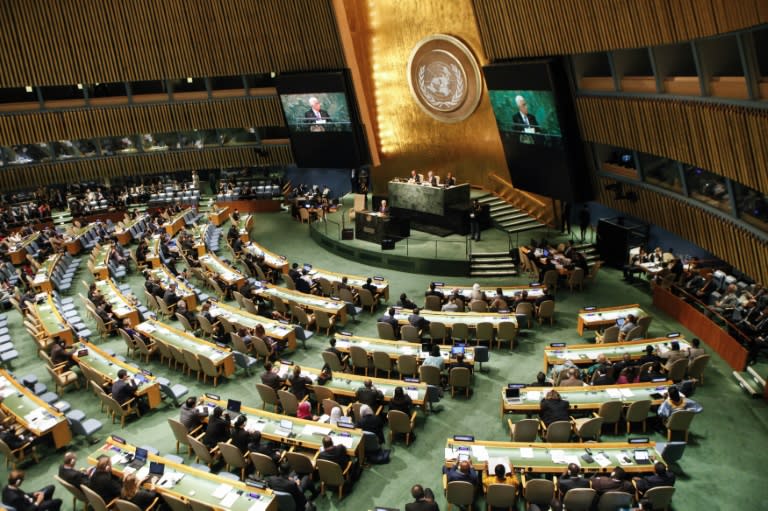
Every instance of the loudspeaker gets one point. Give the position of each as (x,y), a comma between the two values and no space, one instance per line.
(387,244)
(347,234)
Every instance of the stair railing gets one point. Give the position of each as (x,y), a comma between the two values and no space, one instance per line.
(530,203)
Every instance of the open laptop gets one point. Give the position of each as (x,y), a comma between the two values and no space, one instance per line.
(285,428)
(426,347)
(152,473)
(457,350)
(139,458)
(512,393)
(233,408)
(642,457)
(620,322)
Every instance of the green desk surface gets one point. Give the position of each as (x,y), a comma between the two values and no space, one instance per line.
(297,297)
(612,314)
(588,398)
(449,318)
(121,305)
(246,319)
(305,432)
(490,292)
(397,348)
(32,412)
(217,266)
(355,281)
(182,340)
(99,257)
(270,258)
(108,366)
(166,278)
(587,353)
(346,384)
(49,317)
(552,458)
(195,484)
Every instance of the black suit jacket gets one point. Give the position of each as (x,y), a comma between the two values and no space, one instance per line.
(18,499)
(337,454)
(569,483)
(286,485)
(122,391)
(218,431)
(422,505)
(309,115)
(519,123)
(106,485)
(73,476)
(553,410)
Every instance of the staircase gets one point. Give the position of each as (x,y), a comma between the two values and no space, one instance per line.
(590,252)
(492,264)
(507,217)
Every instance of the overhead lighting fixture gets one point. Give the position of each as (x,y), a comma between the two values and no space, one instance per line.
(28,88)
(272,74)
(79,86)
(189,79)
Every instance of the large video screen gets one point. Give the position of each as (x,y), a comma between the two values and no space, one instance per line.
(322,119)
(532,103)
(316,112)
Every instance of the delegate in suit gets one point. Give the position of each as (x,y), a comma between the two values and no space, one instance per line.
(522,119)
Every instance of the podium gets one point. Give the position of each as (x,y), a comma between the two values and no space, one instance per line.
(374,227)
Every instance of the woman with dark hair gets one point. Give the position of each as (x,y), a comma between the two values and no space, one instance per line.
(401,401)
(218,428)
(554,408)
(133,492)
(240,437)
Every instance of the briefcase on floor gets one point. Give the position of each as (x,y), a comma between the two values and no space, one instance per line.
(387,244)
(347,234)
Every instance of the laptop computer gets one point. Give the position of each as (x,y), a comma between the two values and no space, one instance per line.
(233,408)
(620,322)
(512,393)
(457,350)
(152,473)
(642,457)
(139,458)
(285,428)
(426,347)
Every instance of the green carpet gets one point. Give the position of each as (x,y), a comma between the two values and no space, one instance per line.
(727,440)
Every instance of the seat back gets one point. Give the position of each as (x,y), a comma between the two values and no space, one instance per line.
(200,449)
(432,303)
(635,334)
(359,357)
(459,377)
(409,333)
(267,394)
(460,493)
(191,360)
(329,404)
(330,473)
(385,331)
(591,429)
(175,503)
(184,323)
(300,463)
(576,278)
(645,322)
(126,505)
(478,306)
(381,361)
(638,411)
(677,370)
(680,420)
(507,331)
(611,334)
(407,365)
(579,499)
(399,422)
(289,402)
(460,331)
(525,430)
(614,500)
(539,492)
(558,431)
(501,495)
(322,393)
(429,375)
(332,361)
(484,331)
(696,367)
(263,464)
(232,455)
(94,500)
(660,496)
(260,347)
(285,501)
(610,411)
(438,331)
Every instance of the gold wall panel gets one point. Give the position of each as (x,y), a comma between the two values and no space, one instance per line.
(94,41)
(407,137)
(726,139)
(720,236)
(534,28)
(14,178)
(29,128)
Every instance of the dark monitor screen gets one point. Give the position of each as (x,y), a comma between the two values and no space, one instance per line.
(233,405)
(156,468)
(512,392)
(140,454)
(425,347)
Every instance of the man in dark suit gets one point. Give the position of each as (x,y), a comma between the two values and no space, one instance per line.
(335,453)
(660,477)
(571,479)
(434,292)
(418,321)
(420,502)
(170,297)
(69,473)
(20,500)
(316,112)
(190,416)
(284,482)
(390,318)
(615,481)
(369,395)
(123,389)
(463,471)
(522,119)
(271,378)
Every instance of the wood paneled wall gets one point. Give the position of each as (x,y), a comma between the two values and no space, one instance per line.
(533,28)
(127,120)
(728,140)
(720,236)
(96,41)
(141,164)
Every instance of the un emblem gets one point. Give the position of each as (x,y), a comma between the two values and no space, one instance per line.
(444,78)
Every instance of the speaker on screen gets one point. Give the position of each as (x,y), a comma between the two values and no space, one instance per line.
(532,103)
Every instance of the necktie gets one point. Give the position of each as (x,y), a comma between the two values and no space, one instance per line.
(317,114)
